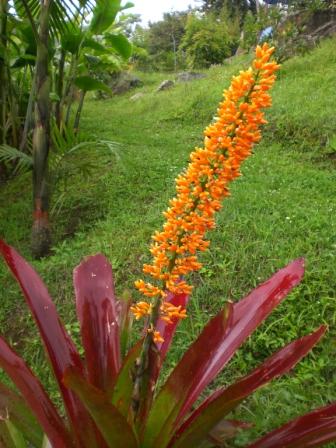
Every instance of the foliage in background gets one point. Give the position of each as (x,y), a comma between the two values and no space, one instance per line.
(50,53)
(216,29)
(156,48)
(240,7)
(209,39)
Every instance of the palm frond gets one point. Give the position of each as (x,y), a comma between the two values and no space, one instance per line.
(73,154)
(63,13)
(23,162)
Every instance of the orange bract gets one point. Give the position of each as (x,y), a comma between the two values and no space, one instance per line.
(204,184)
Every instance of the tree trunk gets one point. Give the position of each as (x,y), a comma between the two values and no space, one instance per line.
(3,70)
(29,120)
(3,81)
(41,236)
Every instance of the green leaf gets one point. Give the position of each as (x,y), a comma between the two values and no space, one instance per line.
(125,320)
(71,41)
(111,423)
(127,6)
(16,435)
(123,388)
(94,45)
(5,438)
(120,44)
(104,15)
(87,83)
(54,97)
(24,61)
(46,442)
(23,161)
(27,37)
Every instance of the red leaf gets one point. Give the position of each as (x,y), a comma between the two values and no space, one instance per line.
(96,311)
(247,316)
(112,424)
(311,430)
(125,319)
(34,394)
(13,406)
(213,349)
(170,400)
(59,346)
(220,403)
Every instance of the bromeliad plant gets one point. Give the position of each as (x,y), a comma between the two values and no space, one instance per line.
(111,396)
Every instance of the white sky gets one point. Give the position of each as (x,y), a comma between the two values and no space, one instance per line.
(152,10)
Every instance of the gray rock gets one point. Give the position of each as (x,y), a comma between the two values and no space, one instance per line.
(123,82)
(326,30)
(137,96)
(165,85)
(189,76)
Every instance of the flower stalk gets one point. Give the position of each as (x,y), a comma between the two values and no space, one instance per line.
(200,189)
(203,185)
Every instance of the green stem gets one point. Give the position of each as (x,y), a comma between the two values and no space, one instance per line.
(141,399)
(79,110)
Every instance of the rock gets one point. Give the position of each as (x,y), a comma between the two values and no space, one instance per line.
(231,59)
(326,30)
(137,96)
(212,66)
(123,82)
(165,85)
(189,76)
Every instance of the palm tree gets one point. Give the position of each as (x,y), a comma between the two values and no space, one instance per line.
(61,24)
(51,16)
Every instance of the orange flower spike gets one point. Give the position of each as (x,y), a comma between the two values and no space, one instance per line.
(169,311)
(141,309)
(204,184)
(157,337)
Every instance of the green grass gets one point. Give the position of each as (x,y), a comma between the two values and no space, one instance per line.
(282,208)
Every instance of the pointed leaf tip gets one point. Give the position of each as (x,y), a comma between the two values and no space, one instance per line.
(97,314)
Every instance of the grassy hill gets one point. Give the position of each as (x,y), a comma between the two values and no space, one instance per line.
(282,208)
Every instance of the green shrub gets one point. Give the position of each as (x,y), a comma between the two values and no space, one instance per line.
(208,40)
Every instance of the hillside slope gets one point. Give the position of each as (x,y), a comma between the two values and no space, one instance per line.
(282,208)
